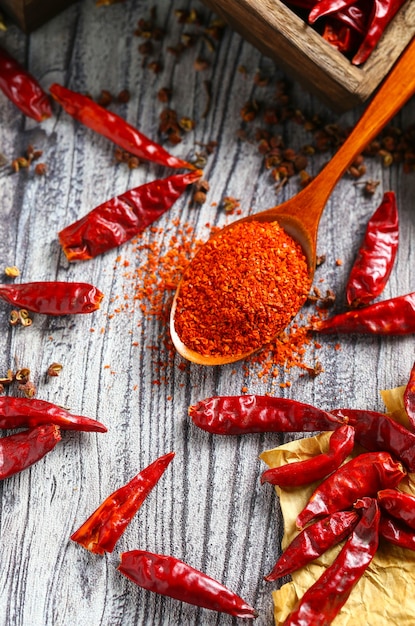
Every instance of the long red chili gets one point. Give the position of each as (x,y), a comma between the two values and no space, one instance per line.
(119,219)
(399,505)
(113,127)
(239,415)
(376,255)
(364,475)
(396,532)
(409,397)
(326,7)
(322,601)
(174,578)
(313,541)
(101,531)
(304,472)
(23,89)
(53,297)
(383,12)
(27,413)
(19,451)
(395,316)
(377,431)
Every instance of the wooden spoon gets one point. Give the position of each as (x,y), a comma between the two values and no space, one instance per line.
(300,215)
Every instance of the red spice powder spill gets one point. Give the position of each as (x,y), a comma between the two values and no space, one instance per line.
(242,289)
(152,285)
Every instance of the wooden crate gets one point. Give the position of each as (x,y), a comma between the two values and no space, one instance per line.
(30,14)
(280,34)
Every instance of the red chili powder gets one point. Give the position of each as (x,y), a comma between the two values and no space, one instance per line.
(241,290)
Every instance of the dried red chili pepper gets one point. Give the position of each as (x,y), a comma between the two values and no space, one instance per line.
(327,7)
(105,526)
(383,11)
(376,255)
(304,472)
(19,451)
(23,89)
(313,541)
(363,476)
(395,316)
(53,297)
(322,601)
(238,415)
(173,578)
(113,127)
(377,431)
(409,397)
(399,505)
(397,533)
(27,413)
(119,219)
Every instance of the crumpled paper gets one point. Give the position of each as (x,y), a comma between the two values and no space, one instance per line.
(385,595)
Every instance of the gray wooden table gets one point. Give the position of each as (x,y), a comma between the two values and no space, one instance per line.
(209,508)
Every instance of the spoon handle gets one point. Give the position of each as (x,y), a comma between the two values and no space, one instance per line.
(394,92)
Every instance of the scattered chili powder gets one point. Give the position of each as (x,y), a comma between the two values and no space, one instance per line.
(241,290)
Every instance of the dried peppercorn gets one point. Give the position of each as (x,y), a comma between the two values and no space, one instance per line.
(322,601)
(377,431)
(376,256)
(241,289)
(173,578)
(304,472)
(20,412)
(21,450)
(364,475)
(104,527)
(395,316)
(23,89)
(238,415)
(53,297)
(116,221)
(313,541)
(114,128)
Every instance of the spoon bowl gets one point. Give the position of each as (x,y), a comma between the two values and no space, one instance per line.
(300,216)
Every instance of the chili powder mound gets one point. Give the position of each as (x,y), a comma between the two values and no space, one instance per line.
(241,290)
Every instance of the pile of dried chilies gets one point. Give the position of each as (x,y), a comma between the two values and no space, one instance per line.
(357,501)
(354,27)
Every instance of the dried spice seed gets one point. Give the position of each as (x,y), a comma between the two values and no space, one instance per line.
(54,369)
(12,271)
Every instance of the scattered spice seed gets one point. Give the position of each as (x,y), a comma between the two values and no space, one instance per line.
(232,298)
(54,369)
(12,271)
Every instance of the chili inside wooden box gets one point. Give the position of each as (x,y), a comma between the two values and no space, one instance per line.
(30,14)
(297,48)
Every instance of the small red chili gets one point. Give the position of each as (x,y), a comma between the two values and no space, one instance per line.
(377,431)
(238,415)
(53,297)
(19,451)
(123,217)
(113,127)
(105,526)
(376,255)
(396,532)
(399,505)
(313,541)
(23,412)
(322,601)
(388,317)
(23,89)
(173,578)
(304,472)
(364,475)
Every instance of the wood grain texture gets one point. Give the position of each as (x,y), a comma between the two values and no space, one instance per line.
(209,508)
